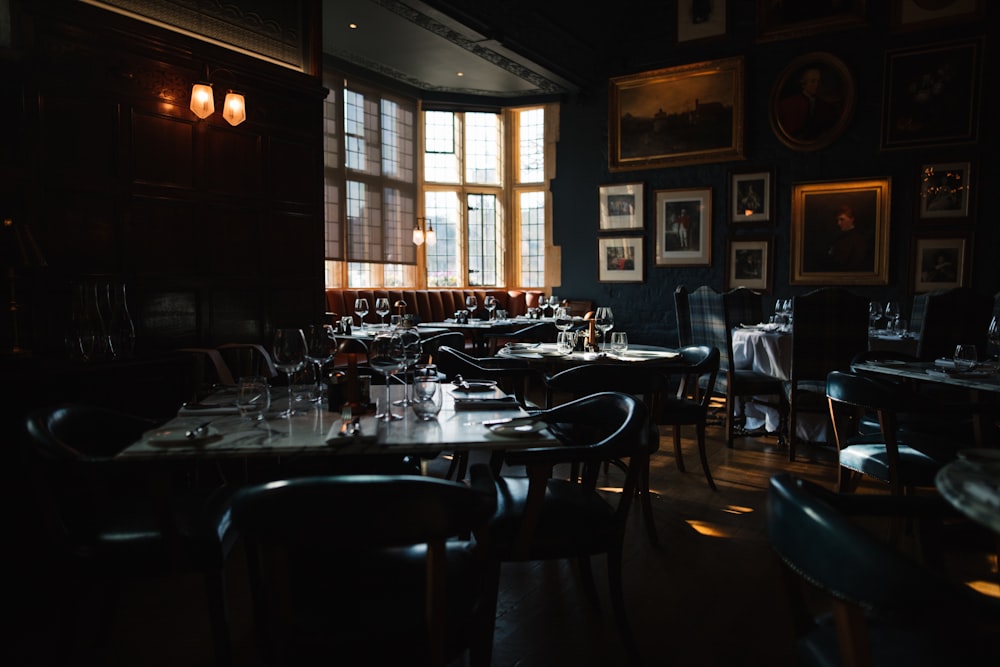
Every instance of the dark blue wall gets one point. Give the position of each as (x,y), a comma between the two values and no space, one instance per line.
(646,310)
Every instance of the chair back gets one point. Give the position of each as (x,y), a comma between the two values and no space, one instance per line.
(682,311)
(698,374)
(374,565)
(643,381)
(743,306)
(430,345)
(245,359)
(709,328)
(952,317)
(830,327)
(512,375)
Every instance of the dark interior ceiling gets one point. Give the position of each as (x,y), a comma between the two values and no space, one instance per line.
(504,49)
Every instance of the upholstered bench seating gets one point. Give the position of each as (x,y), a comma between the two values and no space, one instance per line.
(430,305)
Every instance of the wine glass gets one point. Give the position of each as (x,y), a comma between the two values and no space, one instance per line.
(554,302)
(966,357)
(604,320)
(320,343)
(892,315)
(993,338)
(289,352)
(385,356)
(382,308)
(361,308)
(471,303)
(563,320)
(412,349)
(874,313)
(490,304)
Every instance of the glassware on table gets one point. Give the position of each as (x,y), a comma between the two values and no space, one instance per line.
(382,308)
(490,304)
(471,303)
(892,315)
(619,342)
(554,302)
(412,349)
(604,320)
(993,339)
(361,308)
(563,320)
(874,313)
(320,344)
(253,397)
(385,356)
(346,324)
(289,352)
(566,342)
(427,393)
(966,357)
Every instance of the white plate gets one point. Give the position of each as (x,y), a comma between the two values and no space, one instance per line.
(518,428)
(178,436)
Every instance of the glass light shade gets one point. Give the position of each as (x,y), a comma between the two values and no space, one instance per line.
(235,110)
(418,236)
(430,236)
(202,100)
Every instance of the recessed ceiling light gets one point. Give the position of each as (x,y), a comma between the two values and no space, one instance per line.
(460,74)
(352,26)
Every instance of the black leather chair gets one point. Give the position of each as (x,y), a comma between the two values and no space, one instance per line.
(107,523)
(538,332)
(886,607)
(539,517)
(366,569)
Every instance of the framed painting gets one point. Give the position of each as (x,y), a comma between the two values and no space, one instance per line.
(932,95)
(749,262)
(751,196)
(812,101)
(684,227)
(919,15)
(840,233)
(945,188)
(788,20)
(941,260)
(688,114)
(620,259)
(701,20)
(621,207)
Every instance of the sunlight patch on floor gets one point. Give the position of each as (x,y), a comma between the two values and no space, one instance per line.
(708,529)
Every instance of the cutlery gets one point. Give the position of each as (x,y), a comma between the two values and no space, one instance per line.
(461,381)
(356,427)
(345,420)
(197,430)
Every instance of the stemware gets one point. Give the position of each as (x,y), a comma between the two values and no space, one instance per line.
(412,349)
(554,302)
(382,308)
(361,308)
(563,320)
(966,357)
(385,356)
(892,315)
(320,343)
(490,304)
(874,313)
(471,303)
(993,339)
(289,352)
(604,320)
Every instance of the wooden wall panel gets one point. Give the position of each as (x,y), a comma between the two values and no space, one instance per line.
(232,162)
(162,150)
(163,238)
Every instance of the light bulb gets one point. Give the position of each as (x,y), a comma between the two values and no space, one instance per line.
(418,236)
(202,100)
(235,110)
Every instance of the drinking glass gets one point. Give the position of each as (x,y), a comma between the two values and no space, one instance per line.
(874,313)
(993,338)
(289,351)
(412,349)
(566,342)
(385,356)
(563,320)
(361,308)
(320,343)
(554,302)
(253,397)
(619,342)
(966,357)
(427,394)
(490,304)
(382,308)
(604,320)
(471,303)
(892,315)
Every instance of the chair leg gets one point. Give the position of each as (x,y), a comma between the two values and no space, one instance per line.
(587,574)
(646,498)
(617,591)
(704,456)
(678,454)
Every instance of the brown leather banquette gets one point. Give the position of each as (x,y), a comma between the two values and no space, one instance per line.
(430,305)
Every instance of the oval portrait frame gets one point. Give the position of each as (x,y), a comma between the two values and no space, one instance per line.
(805,127)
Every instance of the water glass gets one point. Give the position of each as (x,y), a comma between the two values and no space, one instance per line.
(427,396)
(966,357)
(619,342)
(253,397)
(566,341)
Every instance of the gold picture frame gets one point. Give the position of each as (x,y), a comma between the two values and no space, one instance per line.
(812,101)
(688,114)
(792,20)
(840,233)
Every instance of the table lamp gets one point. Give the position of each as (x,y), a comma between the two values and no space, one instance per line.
(18,249)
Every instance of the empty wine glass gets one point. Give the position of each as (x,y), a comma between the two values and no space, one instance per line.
(554,302)
(289,352)
(382,308)
(966,357)
(361,308)
(490,304)
(604,320)
(563,320)
(892,315)
(874,313)
(412,349)
(471,303)
(320,344)
(385,356)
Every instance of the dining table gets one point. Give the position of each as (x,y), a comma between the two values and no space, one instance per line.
(475,330)
(971,484)
(547,355)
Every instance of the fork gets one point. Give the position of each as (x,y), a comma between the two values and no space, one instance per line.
(345,419)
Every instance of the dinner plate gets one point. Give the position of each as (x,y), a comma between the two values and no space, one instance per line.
(650,354)
(477,385)
(177,436)
(518,428)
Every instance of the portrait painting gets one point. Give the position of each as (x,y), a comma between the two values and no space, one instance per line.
(840,233)
(620,259)
(940,260)
(684,227)
(749,262)
(751,194)
(812,101)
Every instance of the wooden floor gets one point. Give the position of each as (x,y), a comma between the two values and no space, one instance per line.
(710,594)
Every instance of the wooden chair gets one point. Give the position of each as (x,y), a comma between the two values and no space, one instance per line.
(950,317)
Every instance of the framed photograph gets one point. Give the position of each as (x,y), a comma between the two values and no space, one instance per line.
(941,260)
(701,20)
(684,227)
(944,190)
(688,114)
(751,194)
(932,95)
(749,262)
(920,15)
(619,259)
(812,101)
(840,233)
(621,207)
(790,20)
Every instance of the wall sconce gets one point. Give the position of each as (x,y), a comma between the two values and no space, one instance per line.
(420,236)
(234,109)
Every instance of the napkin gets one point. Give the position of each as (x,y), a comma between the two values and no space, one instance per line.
(492,403)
